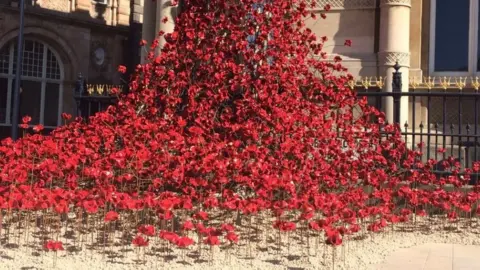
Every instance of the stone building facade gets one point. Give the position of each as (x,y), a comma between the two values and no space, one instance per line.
(62,39)
(427,37)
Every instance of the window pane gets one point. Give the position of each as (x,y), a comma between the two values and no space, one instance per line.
(53,69)
(32,59)
(3,99)
(30,101)
(4,59)
(51,104)
(451,35)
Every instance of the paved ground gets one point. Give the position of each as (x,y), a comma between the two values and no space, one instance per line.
(434,257)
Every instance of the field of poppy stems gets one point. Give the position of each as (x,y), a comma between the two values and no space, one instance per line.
(240,132)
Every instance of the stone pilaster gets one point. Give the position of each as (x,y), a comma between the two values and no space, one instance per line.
(394,46)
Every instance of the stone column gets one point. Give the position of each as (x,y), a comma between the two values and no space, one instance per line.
(153,14)
(148,27)
(165,10)
(135,35)
(394,46)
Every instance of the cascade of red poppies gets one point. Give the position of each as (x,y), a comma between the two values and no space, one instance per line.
(239,114)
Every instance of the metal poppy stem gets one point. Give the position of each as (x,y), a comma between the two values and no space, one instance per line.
(333,257)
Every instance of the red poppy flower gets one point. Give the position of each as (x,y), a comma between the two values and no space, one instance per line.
(53,245)
(184,242)
(227,227)
(139,241)
(314,226)
(122,69)
(333,237)
(188,225)
(90,206)
(38,128)
(169,236)
(26,119)
(452,215)
(212,240)
(232,237)
(148,230)
(111,216)
(201,215)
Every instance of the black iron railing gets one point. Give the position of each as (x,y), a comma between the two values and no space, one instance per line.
(442,124)
(93,98)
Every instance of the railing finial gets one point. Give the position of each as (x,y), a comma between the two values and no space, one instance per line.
(80,85)
(396,66)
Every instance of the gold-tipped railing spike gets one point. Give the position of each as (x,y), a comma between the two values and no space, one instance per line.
(445,82)
(351,84)
(425,82)
(460,82)
(475,84)
(100,89)
(380,82)
(429,82)
(367,82)
(90,89)
(414,83)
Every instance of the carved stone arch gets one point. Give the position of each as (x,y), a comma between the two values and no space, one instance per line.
(67,55)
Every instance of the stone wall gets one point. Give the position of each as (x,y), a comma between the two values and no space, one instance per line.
(353,20)
(114,12)
(75,36)
(57,5)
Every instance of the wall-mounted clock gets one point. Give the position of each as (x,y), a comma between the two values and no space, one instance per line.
(98,56)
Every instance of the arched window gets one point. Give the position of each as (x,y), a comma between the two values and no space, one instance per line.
(41,84)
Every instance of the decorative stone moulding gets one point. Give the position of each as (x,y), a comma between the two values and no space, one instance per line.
(407,3)
(390,58)
(344,4)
